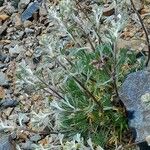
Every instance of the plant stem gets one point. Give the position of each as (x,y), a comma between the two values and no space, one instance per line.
(88,38)
(85,13)
(144,29)
(51,88)
(88,93)
(114,69)
(50,93)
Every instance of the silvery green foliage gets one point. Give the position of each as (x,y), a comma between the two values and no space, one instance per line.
(77,143)
(115,24)
(69,26)
(73,23)
(40,120)
(25,76)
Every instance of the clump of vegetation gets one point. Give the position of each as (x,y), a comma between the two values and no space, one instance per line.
(81,70)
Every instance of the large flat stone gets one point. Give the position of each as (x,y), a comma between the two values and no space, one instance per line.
(6,143)
(135,94)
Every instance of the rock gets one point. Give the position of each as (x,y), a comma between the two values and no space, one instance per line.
(3,80)
(23,4)
(38,52)
(28,145)
(36,60)
(27,23)
(2,92)
(23,119)
(16,20)
(20,34)
(148,21)
(20,56)
(3,57)
(7,60)
(2,66)
(29,31)
(26,120)
(3,17)
(16,50)
(6,143)
(139,4)
(9,30)
(2,8)
(135,94)
(37,56)
(6,103)
(30,11)
(15,3)
(29,53)
(10,9)
(4,27)
(42,11)
(7,112)
(35,138)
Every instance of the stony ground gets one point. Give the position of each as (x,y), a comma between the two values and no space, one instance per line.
(20,34)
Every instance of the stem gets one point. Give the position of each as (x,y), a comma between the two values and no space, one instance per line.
(72,36)
(85,13)
(144,29)
(114,69)
(51,89)
(88,93)
(49,92)
(89,40)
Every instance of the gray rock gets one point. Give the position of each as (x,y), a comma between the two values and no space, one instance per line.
(8,103)
(3,80)
(2,57)
(25,119)
(2,66)
(16,50)
(15,3)
(38,52)
(29,31)
(30,11)
(28,145)
(35,138)
(23,4)
(135,94)
(6,143)
(7,60)
(20,34)
(42,11)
